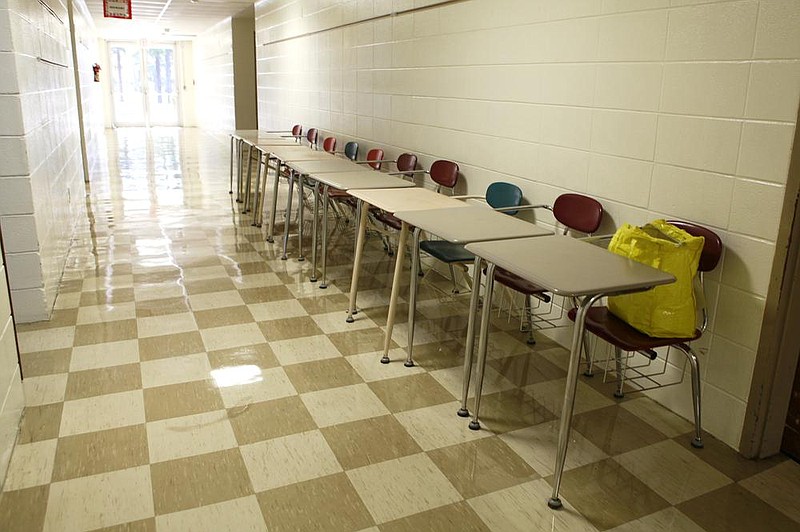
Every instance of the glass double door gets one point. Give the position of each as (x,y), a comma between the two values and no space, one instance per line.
(144,84)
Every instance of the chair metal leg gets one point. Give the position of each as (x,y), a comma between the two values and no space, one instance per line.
(361,229)
(233,149)
(246,199)
(301,208)
(697,441)
(326,201)
(239,169)
(529,314)
(619,393)
(453,277)
(589,371)
(257,192)
(469,349)
(482,345)
(314,234)
(288,218)
(273,212)
(412,299)
(398,274)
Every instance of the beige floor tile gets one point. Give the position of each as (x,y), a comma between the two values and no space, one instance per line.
(198,481)
(260,355)
(327,504)
(142,525)
(289,308)
(68,301)
(102,297)
(179,437)
(31,465)
(169,324)
(439,355)
(235,515)
(270,419)
(341,405)
(360,341)
(550,394)
(59,318)
(527,369)
(40,423)
(24,510)
(438,426)
(659,417)
(46,362)
(334,322)
(322,374)
(288,328)
(170,345)
(166,290)
(100,500)
(46,340)
(183,399)
(410,392)
(264,294)
(510,410)
(322,304)
(452,380)
(289,459)
(537,445)
(98,333)
(45,389)
(402,487)
(153,276)
(729,462)
(370,369)
(106,313)
(102,381)
(672,471)
(481,466)
(667,520)
(524,508)
(257,280)
(231,336)
(244,385)
(615,430)
(778,487)
(103,451)
(459,516)
(369,441)
(424,333)
(162,307)
(503,344)
(97,356)
(102,412)
(207,319)
(305,349)
(107,281)
(175,370)
(215,300)
(203,273)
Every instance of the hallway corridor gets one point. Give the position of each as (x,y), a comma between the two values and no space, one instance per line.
(190,380)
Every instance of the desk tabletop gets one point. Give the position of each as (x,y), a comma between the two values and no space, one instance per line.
(296,152)
(472,224)
(570,267)
(268,142)
(406,199)
(324,166)
(361,180)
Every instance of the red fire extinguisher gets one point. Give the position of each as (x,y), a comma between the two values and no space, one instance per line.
(96,68)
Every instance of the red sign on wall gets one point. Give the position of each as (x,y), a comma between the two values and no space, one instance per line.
(117,8)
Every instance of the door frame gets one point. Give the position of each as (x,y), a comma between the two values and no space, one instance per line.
(143,45)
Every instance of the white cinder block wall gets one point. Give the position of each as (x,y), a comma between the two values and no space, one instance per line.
(213,53)
(12,399)
(88,53)
(41,178)
(659,108)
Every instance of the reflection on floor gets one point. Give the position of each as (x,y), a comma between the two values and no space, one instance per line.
(190,380)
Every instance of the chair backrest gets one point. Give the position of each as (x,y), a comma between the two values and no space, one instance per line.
(297,130)
(351,150)
(500,195)
(329,144)
(406,162)
(712,248)
(311,137)
(444,173)
(578,212)
(375,154)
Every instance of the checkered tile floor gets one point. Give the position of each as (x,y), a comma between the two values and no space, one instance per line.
(190,380)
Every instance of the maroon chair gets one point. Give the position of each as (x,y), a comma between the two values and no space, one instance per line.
(374,158)
(311,137)
(575,212)
(603,324)
(329,144)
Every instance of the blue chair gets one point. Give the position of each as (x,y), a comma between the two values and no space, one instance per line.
(499,196)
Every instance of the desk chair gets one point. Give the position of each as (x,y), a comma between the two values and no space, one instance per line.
(603,324)
(329,145)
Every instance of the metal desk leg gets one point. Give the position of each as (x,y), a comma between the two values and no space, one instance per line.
(398,273)
(469,350)
(239,169)
(314,234)
(569,395)
(288,216)
(324,283)
(360,237)
(273,211)
(483,341)
(412,298)
(259,219)
(233,149)
(249,177)
(257,192)
(301,208)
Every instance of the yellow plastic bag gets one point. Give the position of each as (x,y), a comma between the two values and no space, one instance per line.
(667,311)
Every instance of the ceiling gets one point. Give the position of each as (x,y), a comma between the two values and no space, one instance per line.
(165,19)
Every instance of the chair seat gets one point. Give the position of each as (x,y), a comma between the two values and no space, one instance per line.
(515,282)
(602,323)
(337,193)
(445,251)
(389,219)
